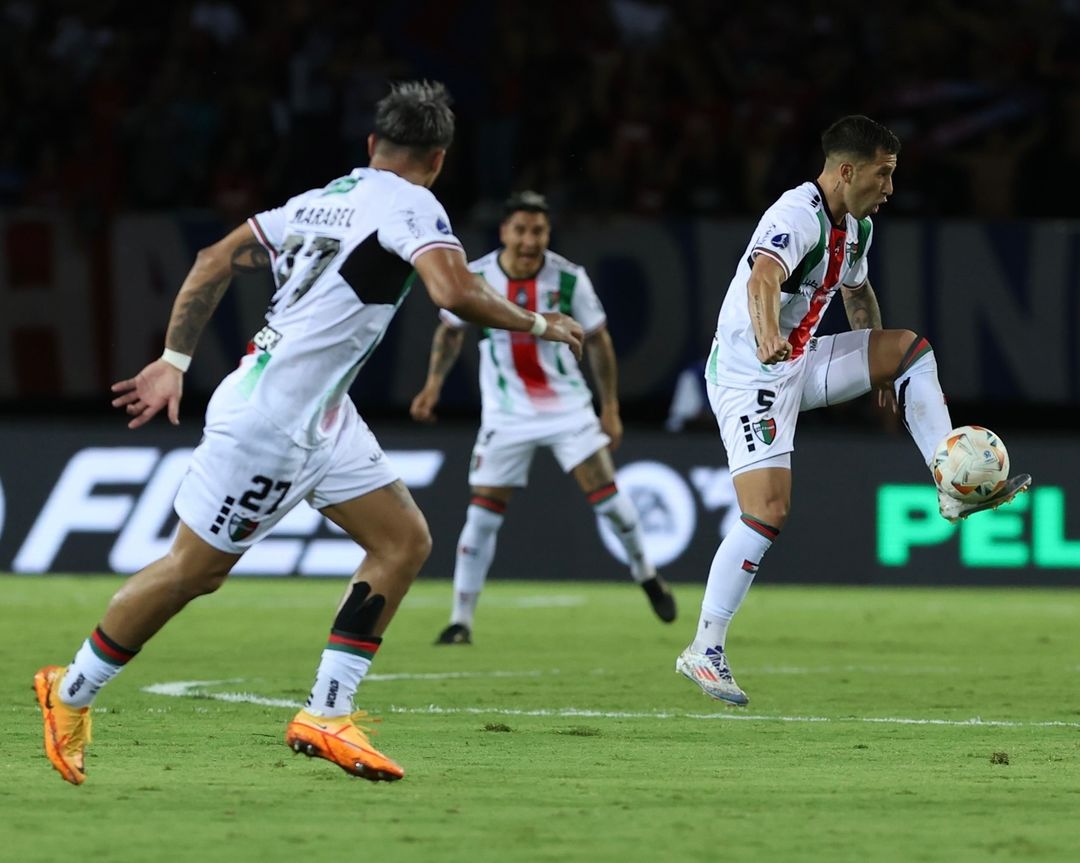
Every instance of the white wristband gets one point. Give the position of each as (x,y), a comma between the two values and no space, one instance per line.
(176,359)
(540,324)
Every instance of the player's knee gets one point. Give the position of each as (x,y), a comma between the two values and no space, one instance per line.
(194,578)
(413,544)
(772,511)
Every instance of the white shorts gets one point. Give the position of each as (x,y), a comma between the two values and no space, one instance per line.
(246,474)
(758,425)
(503,453)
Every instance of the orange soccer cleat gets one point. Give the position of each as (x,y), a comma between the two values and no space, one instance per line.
(67,729)
(340,740)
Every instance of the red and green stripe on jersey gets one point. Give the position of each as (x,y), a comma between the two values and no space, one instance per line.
(524,347)
(832,243)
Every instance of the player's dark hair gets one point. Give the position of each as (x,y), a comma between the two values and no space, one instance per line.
(860,136)
(415,115)
(525,201)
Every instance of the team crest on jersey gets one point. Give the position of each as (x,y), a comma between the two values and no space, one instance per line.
(765,430)
(553,299)
(241,528)
(522,297)
(852,252)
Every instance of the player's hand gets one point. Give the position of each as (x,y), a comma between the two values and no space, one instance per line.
(157,386)
(611,423)
(422,408)
(774,349)
(563,328)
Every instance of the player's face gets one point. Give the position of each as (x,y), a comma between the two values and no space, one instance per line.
(526,237)
(870,184)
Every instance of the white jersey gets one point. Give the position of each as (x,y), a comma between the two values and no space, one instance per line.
(521,376)
(342,260)
(817,255)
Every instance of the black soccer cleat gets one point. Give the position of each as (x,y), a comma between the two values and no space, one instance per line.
(455,633)
(660,598)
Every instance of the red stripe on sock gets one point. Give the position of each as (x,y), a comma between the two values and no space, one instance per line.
(113,651)
(601,494)
(488,503)
(358,643)
(766,530)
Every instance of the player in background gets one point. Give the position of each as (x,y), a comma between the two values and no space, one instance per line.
(535,395)
(766,366)
(281,428)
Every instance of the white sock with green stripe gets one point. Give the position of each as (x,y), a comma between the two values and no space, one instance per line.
(98,661)
(732,572)
(920,399)
(622,518)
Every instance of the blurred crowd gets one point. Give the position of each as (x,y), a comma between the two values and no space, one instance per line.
(690,107)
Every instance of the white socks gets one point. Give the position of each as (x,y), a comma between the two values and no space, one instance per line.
(475,552)
(98,661)
(732,571)
(922,404)
(336,682)
(622,517)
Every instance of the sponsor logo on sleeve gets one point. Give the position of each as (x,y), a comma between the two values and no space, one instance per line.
(441,226)
(780,241)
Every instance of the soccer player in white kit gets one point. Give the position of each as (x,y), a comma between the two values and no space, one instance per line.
(534,395)
(281,428)
(766,366)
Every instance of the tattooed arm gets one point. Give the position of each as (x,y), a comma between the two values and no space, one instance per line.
(445,348)
(160,384)
(864,313)
(763,301)
(861,305)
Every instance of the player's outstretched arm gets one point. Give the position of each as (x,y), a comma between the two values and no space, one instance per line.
(451,286)
(763,301)
(605,370)
(445,349)
(161,383)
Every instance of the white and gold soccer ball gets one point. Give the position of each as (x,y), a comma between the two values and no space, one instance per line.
(970,464)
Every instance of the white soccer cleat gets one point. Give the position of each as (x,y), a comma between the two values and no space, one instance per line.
(954,510)
(711,672)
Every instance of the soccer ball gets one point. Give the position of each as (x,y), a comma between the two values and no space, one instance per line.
(970,464)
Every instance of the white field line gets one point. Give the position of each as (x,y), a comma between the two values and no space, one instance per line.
(555,600)
(197,689)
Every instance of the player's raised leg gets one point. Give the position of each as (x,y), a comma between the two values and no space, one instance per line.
(475,553)
(145,603)
(389,526)
(907,362)
(596,477)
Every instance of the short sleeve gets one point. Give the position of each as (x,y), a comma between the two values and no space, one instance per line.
(786,235)
(417,224)
(585,307)
(269,228)
(861,270)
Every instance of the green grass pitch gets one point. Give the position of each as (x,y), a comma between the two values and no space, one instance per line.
(907,725)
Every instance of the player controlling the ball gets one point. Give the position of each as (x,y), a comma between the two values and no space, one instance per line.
(766,366)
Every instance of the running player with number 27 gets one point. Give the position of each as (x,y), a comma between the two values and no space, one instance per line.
(282,428)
